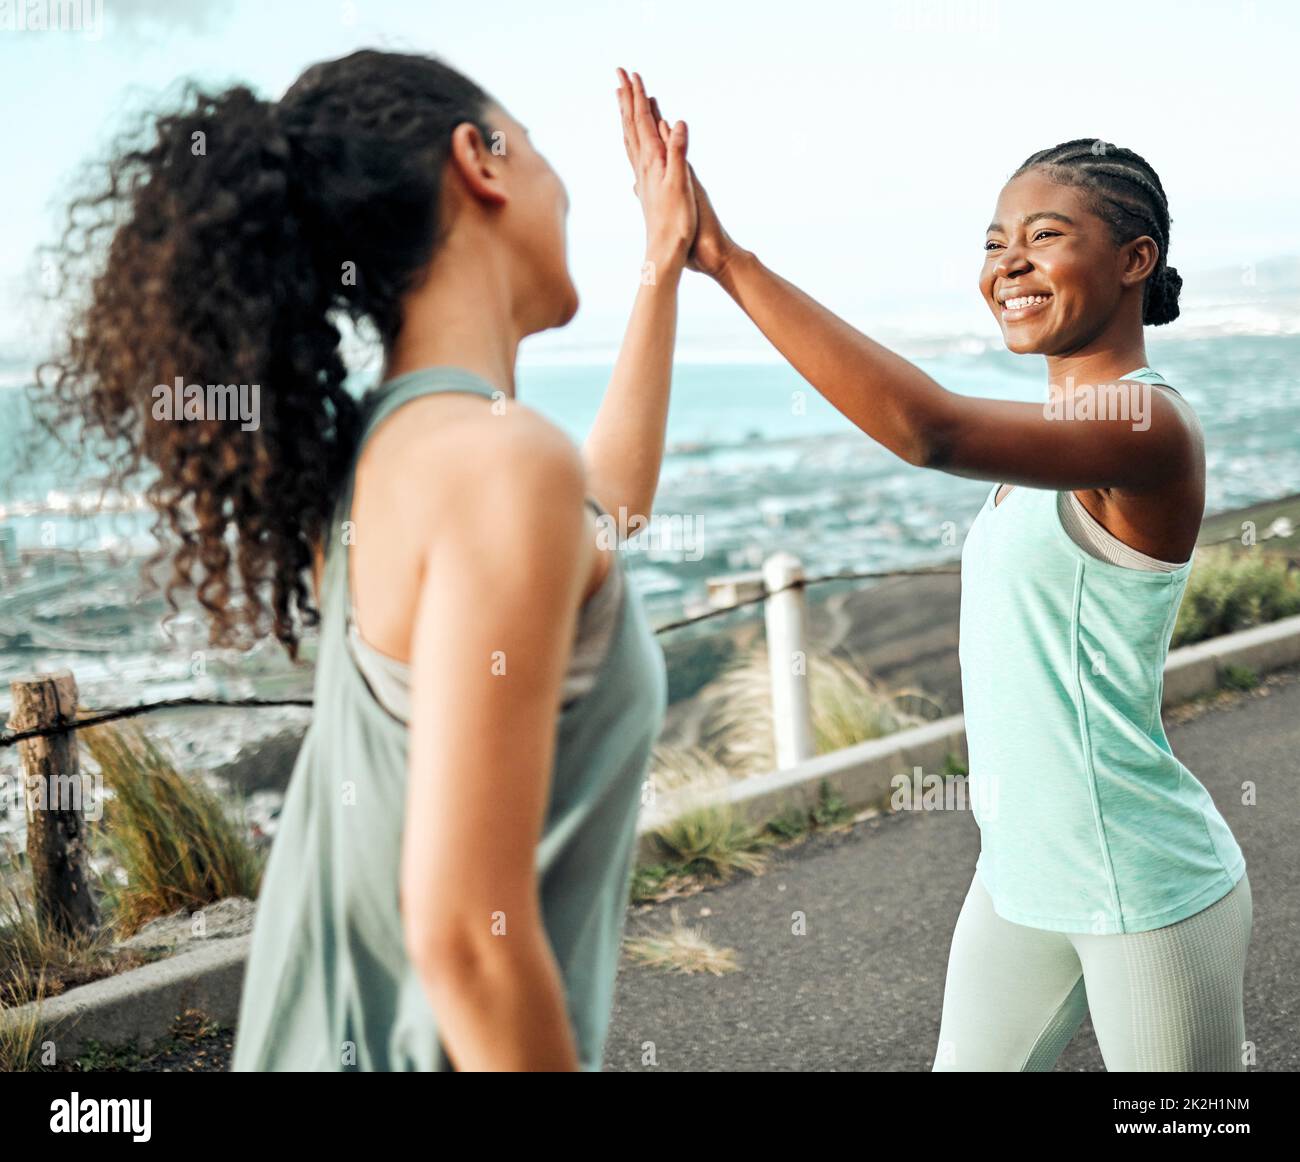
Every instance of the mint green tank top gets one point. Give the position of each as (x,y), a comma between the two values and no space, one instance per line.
(328,985)
(1088,822)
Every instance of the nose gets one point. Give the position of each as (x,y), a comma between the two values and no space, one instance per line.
(1013,261)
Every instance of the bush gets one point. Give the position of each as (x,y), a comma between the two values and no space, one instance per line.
(1229,591)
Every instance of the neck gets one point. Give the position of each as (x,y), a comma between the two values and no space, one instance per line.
(1104,358)
(461,316)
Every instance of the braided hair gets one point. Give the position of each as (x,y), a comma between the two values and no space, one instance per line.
(1127,195)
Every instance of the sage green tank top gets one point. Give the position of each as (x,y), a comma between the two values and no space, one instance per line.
(328,985)
(1088,822)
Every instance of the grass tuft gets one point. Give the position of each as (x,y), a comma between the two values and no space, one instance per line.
(681,949)
(1236,677)
(22,1037)
(37,960)
(848,707)
(709,840)
(178,844)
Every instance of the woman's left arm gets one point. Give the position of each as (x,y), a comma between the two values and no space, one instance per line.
(624,450)
(899,405)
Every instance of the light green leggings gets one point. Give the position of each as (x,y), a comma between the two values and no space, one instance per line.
(1167,1000)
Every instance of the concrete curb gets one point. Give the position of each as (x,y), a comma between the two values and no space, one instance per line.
(142,1004)
(862,776)
(1198,669)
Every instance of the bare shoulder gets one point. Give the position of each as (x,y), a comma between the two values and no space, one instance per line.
(459,441)
(495,477)
(1181,418)
(1164,421)
(1172,437)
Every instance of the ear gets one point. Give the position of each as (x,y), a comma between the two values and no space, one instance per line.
(1139,260)
(482,171)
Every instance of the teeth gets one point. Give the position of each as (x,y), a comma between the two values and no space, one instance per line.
(1026,301)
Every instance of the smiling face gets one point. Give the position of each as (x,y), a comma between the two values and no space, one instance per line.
(1053,276)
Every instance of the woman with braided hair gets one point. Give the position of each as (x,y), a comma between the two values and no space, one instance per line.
(1107,880)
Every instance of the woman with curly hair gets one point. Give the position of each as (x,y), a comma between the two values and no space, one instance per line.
(1108,882)
(447,886)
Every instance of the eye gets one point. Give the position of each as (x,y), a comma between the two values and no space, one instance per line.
(990,244)
(1051,233)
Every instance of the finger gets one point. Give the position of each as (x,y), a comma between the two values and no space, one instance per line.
(647,134)
(665,130)
(625,115)
(627,105)
(636,112)
(676,148)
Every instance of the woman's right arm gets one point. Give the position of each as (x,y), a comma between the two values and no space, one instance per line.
(624,452)
(492,636)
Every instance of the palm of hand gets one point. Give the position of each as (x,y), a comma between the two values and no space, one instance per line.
(657,155)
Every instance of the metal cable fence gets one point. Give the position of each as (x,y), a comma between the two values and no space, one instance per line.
(99,718)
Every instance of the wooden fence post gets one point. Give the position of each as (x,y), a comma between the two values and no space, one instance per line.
(56,827)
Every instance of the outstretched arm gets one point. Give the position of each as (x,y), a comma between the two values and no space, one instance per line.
(900,406)
(625,449)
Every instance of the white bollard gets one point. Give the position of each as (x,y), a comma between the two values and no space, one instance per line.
(788,660)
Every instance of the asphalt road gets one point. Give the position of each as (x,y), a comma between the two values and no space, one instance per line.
(862,988)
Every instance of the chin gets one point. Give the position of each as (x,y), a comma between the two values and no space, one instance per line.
(569,306)
(1023,346)
(1037,342)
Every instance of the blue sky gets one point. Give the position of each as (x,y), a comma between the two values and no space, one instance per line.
(857,147)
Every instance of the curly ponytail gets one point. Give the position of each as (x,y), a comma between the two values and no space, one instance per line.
(1126,194)
(224,246)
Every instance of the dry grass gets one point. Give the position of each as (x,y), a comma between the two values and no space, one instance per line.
(22,1038)
(178,844)
(709,839)
(38,961)
(681,949)
(848,707)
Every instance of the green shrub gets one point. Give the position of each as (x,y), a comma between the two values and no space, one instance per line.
(1232,590)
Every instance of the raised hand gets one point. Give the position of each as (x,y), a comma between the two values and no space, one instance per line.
(663,180)
(713,247)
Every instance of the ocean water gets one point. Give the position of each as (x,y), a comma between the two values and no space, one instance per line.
(756,462)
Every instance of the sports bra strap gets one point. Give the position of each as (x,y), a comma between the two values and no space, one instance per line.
(377,406)
(1147,375)
(393,393)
